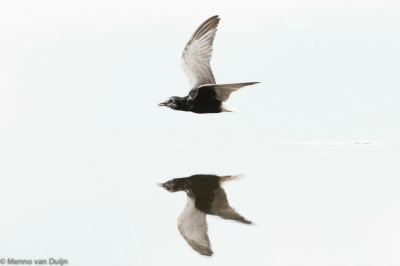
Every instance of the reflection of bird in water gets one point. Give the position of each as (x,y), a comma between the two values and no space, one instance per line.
(205,196)
(205,95)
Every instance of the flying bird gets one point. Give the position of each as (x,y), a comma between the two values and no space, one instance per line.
(204,196)
(205,96)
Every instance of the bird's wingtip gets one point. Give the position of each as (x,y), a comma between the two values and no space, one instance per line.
(216,17)
(232,177)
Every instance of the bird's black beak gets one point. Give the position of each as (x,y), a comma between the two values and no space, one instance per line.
(162,104)
(160,185)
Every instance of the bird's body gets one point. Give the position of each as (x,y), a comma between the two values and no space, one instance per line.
(204,196)
(200,105)
(205,95)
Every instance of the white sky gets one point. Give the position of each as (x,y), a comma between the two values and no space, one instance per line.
(83,143)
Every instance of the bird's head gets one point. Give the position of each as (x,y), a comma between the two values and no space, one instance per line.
(171,186)
(172,103)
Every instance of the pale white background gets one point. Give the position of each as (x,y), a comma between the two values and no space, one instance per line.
(83,143)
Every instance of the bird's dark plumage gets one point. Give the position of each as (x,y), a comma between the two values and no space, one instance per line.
(204,196)
(205,96)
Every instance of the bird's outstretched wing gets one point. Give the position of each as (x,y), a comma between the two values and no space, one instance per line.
(192,225)
(222,91)
(221,207)
(197,54)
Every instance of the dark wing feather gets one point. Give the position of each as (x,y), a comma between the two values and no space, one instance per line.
(221,207)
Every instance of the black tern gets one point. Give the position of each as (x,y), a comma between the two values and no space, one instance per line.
(205,95)
(204,196)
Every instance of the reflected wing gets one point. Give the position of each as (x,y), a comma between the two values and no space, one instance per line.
(192,225)
(222,91)
(221,207)
(197,54)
